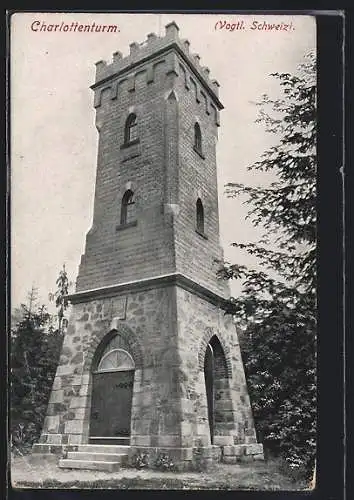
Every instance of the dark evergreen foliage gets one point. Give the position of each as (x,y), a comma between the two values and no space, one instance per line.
(277,307)
(34,355)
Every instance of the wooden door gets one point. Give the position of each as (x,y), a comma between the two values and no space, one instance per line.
(112,394)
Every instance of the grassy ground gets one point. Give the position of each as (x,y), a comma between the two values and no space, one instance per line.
(32,472)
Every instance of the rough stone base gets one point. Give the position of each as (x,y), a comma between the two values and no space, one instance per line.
(177,459)
(160,458)
(233,454)
(170,458)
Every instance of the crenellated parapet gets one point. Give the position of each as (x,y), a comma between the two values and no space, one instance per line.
(144,57)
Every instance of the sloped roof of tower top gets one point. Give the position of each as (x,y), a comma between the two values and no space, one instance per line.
(154,46)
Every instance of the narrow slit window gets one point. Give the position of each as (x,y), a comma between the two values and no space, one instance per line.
(131,129)
(200,216)
(127,214)
(197,137)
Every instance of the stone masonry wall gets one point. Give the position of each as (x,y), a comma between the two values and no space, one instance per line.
(198,321)
(115,254)
(196,254)
(148,330)
(168,95)
(166,330)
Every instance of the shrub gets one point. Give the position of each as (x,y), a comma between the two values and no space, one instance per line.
(164,462)
(140,460)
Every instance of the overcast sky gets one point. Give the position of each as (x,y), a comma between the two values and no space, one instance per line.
(54,140)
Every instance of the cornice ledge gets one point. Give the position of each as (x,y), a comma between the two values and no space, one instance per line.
(178,279)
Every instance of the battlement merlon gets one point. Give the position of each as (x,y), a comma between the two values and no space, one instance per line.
(154,46)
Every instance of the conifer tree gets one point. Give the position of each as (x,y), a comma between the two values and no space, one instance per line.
(34,355)
(277,306)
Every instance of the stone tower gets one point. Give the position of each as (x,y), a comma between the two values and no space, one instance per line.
(150,360)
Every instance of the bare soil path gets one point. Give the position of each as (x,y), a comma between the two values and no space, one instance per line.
(35,472)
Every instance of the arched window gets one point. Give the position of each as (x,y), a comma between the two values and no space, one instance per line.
(116,360)
(197,138)
(200,216)
(131,129)
(127,213)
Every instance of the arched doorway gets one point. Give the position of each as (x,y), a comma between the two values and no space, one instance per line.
(112,392)
(216,384)
(209,387)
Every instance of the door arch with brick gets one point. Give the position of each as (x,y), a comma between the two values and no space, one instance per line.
(112,393)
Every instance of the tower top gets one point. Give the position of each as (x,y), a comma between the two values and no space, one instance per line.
(152,46)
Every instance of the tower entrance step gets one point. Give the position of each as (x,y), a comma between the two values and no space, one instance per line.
(96,457)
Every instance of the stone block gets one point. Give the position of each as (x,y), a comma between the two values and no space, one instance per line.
(204,451)
(85,378)
(138,377)
(140,440)
(260,456)
(234,450)
(85,390)
(222,384)
(187,405)
(78,402)
(148,375)
(53,438)
(141,426)
(216,453)
(202,428)
(186,441)
(254,449)
(56,384)
(145,397)
(66,350)
(222,394)
(75,439)
(186,428)
(77,359)
(77,380)
(73,427)
(223,440)
(61,408)
(172,440)
(201,441)
(51,410)
(224,405)
(229,427)
(65,370)
(57,396)
(81,413)
(185,453)
(51,424)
